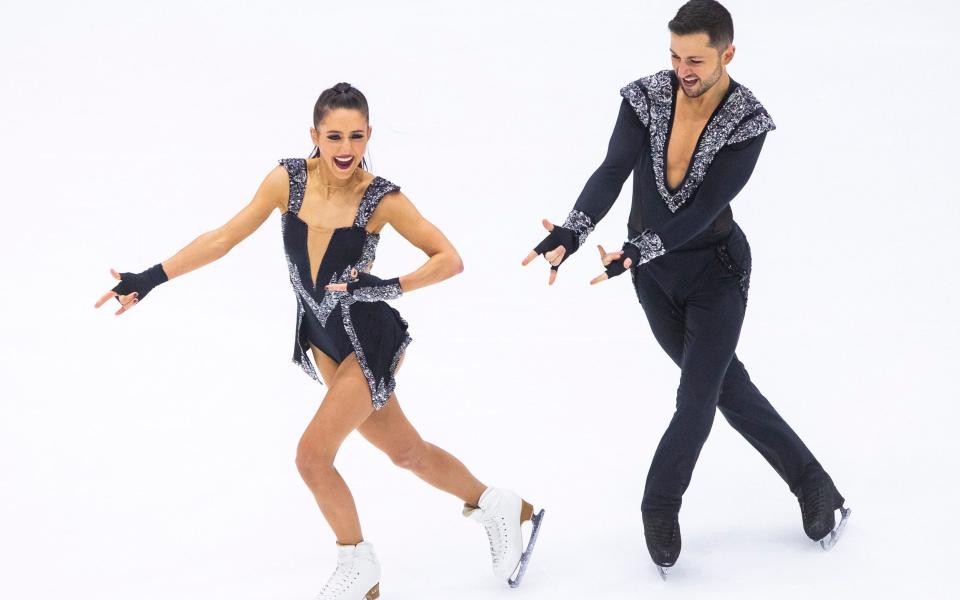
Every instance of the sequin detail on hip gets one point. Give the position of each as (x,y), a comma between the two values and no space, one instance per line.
(743,273)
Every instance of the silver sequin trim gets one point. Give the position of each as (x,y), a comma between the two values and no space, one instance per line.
(581,225)
(379,390)
(369,252)
(376,190)
(304,361)
(377,294)
(654,111)
(637,98)
(752,128)
(650,246)
(297,170)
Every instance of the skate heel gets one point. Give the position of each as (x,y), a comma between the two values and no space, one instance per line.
(374,593)
(526,511)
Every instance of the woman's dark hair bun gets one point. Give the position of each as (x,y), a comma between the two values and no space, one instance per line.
(342,88)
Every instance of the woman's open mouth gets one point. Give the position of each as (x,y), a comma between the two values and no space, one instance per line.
(343,162)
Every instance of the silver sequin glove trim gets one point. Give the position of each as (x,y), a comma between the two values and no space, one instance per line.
(581,225)
(370,288)
(640,249)
(649,245)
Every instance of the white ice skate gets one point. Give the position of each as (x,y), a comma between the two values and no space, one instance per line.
(502,513)
(357,576)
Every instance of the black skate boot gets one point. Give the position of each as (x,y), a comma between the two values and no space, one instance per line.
(662,531)
(818,499)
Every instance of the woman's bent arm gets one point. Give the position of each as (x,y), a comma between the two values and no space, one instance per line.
(444,262)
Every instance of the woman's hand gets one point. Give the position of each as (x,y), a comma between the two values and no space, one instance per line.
(612,261)
(365,287)
(127,301)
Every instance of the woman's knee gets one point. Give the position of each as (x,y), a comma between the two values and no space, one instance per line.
(411,457)
(314,455)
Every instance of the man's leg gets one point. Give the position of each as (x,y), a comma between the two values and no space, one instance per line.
(705,330)
(749,412)
(740,402)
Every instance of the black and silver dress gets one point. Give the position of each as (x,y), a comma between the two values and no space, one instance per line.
(334,321)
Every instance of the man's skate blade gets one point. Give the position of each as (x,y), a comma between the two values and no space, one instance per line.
(525,557)
(663,572)
(834,536)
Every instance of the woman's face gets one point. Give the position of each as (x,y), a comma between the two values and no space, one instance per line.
(342,139)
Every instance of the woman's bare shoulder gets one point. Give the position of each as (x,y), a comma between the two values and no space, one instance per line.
(275,188)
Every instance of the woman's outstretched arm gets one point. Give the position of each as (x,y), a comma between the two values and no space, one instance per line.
(207,247)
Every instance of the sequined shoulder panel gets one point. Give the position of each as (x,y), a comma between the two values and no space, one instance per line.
(647,95)
(297,171)
(755,121)
(376,190)
(739,118)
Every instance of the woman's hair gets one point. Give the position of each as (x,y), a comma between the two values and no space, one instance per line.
(342,95)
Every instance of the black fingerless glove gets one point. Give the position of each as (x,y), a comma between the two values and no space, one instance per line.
(370,288)
(640,249)
(141,283)
(629,251)
(570,235)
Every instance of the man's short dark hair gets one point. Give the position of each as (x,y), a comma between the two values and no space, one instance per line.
(704,16)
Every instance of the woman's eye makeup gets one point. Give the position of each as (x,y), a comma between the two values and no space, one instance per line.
(335,137)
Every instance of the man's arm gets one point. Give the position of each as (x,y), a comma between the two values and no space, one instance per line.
(603,187)
(728,173)
(599,193)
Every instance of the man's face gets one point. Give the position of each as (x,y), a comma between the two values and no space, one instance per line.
(698,65)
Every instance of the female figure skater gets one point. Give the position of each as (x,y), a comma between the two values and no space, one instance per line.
(332,212)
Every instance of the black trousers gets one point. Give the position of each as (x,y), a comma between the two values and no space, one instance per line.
(695,300)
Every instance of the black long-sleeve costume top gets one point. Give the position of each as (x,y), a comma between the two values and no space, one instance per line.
(664,219)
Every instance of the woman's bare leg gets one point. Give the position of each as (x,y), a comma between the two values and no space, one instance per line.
(346,405)
(389,430)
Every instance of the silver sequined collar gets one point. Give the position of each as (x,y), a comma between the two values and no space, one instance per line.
(739,117)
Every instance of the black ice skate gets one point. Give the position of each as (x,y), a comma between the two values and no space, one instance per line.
(819,499)
(662,531)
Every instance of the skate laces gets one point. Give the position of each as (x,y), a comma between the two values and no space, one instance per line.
(816,498)
(339,582)
(660,530)
(496,528)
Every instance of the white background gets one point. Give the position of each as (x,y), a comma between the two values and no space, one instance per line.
(151,456)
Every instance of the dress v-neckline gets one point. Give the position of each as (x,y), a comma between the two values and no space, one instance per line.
(315,279)
(674,87)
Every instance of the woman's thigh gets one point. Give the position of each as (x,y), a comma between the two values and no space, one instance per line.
(389,430)
(344,408)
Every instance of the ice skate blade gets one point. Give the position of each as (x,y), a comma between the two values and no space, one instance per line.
(663,572)
(525,557)
(828,542)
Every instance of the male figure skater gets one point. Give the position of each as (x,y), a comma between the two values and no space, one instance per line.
(691,137)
